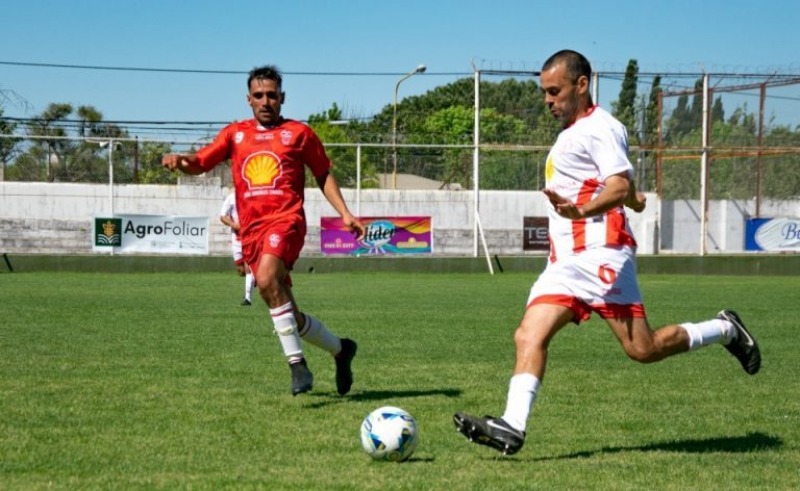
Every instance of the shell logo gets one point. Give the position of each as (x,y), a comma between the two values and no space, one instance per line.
(261,169)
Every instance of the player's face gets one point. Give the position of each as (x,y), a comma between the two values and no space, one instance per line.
(561,93)
(265,98)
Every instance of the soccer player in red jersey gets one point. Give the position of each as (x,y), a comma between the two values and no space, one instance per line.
(592,266)
(268,157)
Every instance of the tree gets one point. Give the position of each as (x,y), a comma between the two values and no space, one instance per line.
(89,119)
(326,126)
(652,117)
(624,109)
(150,170)
(63,159)
(7,145)
(49,124)
(455,125)
(717,112)
(679,122)
(696,110)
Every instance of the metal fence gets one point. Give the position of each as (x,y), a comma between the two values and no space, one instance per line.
(692,135)
(734,171)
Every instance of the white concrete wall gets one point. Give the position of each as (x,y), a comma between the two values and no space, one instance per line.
(27,208)
(680,223)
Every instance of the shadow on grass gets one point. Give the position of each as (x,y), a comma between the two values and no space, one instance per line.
(383,395)
(751,442)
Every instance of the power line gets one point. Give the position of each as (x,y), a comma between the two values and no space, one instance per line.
(213,72)
(611,74)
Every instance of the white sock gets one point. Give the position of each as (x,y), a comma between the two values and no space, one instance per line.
(286,328)
(708,332)
(248,285)
(521,396)
(317,334)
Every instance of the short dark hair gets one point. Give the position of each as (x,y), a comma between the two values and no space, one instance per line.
(576,64)
(266,72)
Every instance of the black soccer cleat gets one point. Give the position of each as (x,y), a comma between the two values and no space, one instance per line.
(245,303)
(743,346)
(490,431)
(344,372)
(302,378)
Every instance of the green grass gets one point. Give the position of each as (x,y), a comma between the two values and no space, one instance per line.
(162,381)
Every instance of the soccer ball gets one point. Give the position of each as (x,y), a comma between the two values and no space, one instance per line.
(389,433)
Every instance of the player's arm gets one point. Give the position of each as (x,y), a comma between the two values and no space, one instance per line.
(635,200)
(186,163)
(613,195)
(205,159)
(229,222)
(330,188)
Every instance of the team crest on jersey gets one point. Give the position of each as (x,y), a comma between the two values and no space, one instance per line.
(549,169)
(286,137)
(274,240)
(238,137)
(261,169)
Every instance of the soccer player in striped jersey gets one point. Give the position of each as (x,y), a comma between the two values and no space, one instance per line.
(229,217)
(591,268)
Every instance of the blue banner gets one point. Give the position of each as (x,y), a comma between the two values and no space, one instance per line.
(772,234)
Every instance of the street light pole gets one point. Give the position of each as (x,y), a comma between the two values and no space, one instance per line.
(419,69)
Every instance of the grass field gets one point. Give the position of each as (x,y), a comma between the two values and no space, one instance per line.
(162,381)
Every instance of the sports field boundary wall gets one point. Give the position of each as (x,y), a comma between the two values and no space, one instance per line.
(57,218)
(744,264)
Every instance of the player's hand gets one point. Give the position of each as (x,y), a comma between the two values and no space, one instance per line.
(564,207)
(173,161)
(637,202)
(355,226)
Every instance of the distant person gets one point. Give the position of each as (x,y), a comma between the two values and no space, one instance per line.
(591,267)
(268,158)
(229,217)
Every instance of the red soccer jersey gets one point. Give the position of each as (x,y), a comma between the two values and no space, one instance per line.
(268,169)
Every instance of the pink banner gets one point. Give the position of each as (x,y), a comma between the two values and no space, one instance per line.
(384,235)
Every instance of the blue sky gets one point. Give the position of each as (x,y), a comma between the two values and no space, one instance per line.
(385,38)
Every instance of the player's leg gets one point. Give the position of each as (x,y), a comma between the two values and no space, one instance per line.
(647,346)
(271,274)
(532,338)
(248,284)
(312,329)
(315,332)
(242,269)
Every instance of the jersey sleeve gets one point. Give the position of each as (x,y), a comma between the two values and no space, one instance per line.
(226,206)
(217,151)
(314,155)
(609,150)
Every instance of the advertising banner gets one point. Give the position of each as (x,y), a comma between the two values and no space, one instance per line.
(157,234)
(534,234)
(384,235)
(772,234)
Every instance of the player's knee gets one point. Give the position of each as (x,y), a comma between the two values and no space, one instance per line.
(269,288)
(642,353)
(525,336)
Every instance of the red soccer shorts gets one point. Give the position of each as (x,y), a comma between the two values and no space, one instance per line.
(282,238)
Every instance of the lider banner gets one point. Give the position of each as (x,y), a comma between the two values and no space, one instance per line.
(151,234)
(384,235)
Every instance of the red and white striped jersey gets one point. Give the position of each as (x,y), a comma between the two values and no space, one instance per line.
(584,155)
